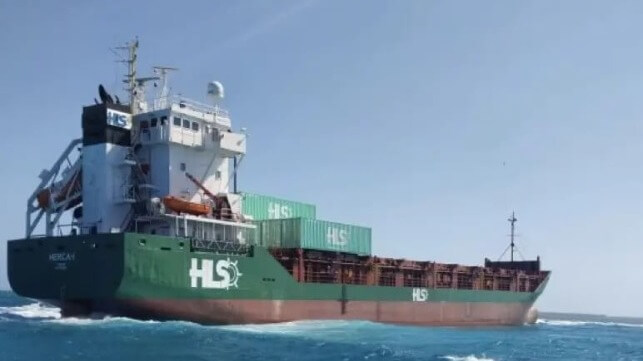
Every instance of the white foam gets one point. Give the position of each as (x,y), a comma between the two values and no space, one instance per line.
(74,321)
(33,310)
(585,323)
(467,358)
(560,322)
(282,328)
(295,327)
(52,314)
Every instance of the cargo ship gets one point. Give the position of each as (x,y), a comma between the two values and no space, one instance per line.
(141,217)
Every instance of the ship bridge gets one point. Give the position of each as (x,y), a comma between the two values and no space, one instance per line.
(189,123)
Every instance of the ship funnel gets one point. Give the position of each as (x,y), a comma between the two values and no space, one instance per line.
(215,91)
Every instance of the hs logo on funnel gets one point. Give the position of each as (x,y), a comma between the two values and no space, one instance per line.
(117,119)
(226,270)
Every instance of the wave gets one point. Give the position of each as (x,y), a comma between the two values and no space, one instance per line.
(32,310)
(46,313)
(586,323)
(294,327)
(466,358)
(299,327)
(92,320)
(50,314)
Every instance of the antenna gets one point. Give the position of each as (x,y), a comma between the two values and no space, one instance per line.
(513,221)
(139,92)
(130,77)
(162,72)
(513,235)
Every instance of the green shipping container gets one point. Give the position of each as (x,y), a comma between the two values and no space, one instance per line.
(315,234)
(261,207)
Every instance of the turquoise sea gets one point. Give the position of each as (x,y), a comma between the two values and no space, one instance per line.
(32,331)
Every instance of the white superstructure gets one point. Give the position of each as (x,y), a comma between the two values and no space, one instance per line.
(162,166)
(187,137)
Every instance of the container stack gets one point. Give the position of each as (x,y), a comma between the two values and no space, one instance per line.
(288,224)
(260,207)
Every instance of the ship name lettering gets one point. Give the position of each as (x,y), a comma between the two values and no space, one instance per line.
(62,257)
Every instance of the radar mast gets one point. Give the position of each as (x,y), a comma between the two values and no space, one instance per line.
(130,78)
(162,98)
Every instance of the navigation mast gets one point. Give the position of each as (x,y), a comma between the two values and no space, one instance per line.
(130,77)
(513,221)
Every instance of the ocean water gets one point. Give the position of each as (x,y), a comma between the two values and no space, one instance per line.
(32,331)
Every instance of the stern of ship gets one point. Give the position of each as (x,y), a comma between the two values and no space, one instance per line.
(72,272)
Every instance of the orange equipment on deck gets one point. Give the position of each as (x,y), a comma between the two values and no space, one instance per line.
(61,192)
(222,209)
(179,205)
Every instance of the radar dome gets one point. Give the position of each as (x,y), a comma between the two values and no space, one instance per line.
(215,90)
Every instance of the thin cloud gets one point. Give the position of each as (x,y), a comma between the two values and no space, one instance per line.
(267,24)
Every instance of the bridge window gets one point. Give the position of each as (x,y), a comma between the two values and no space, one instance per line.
(195,126)
(163,120)
(186,124)
(177,121)
(153,122)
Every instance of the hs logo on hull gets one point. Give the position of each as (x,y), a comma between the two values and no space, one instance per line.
(226,270)
(420,294)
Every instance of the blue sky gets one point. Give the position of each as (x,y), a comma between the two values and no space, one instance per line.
(428,120)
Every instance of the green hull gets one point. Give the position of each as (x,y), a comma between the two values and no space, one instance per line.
(144,276)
